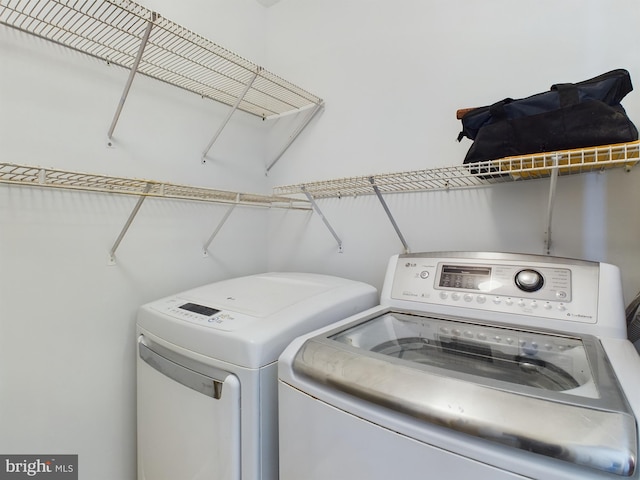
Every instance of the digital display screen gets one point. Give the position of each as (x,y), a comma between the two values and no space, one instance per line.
(201,309)
(467,277)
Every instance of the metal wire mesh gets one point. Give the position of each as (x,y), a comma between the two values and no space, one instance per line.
(480,174)
(112,30)
(43,177)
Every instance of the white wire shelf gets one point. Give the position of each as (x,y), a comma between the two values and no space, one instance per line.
(566,162)
(46,177)
(113,31)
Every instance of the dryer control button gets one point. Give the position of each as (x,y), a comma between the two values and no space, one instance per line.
(481,299)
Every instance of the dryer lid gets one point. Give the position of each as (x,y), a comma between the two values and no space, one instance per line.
(485,380)
(261,295)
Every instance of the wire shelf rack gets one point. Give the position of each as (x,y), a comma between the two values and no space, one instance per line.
(113,31)
(45,177)
(566,162)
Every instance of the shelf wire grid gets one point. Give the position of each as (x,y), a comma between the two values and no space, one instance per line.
(481,174)
(112,31)
(44,177)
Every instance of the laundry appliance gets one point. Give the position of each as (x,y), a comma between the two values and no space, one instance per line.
(488,366)
(207,371)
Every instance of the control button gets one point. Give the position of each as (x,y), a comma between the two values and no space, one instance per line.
(444,295)
(497,338)
(482,336)
(509,340)
(468,297)
(561,295)
(456,332)
(481,299)
(497,300)
(521,303)
(533,304)
(548,346)
(529,280)
(561,307)
(548,306)
(468,333)
(455,296)
(424,274)
(509,302)
(444,330)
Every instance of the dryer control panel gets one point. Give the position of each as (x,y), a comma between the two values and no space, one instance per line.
(531,285)
(197,312)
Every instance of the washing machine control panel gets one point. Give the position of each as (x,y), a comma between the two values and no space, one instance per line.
(204,315)
(531,285)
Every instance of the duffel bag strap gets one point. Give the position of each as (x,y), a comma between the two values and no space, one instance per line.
(568,94)
(497,109)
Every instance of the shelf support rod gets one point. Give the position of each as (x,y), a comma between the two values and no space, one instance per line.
(205,251)
(316,209)
(552,193)
(132,74)
(388,212)
(229,114)
(132,215)
(296,133)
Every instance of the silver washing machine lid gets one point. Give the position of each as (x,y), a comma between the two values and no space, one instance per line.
(479,378)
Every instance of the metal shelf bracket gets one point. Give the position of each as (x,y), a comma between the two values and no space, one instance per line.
(229,114)
(388,212)
(112,253)
(205,248)
(132,74)
(316,209)
(553,180)
(319,106)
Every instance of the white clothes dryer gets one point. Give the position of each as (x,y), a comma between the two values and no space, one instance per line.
(475,365)
(207,371)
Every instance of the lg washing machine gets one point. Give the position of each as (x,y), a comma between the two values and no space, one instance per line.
(475,365)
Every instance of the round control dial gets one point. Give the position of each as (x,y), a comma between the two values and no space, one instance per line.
(529,280)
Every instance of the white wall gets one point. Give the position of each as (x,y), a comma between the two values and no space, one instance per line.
(393,75)
(67,319)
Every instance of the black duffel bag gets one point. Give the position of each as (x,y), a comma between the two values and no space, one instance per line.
(570,115)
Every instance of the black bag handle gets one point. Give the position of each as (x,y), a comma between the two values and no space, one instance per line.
(568,94)
(497,109)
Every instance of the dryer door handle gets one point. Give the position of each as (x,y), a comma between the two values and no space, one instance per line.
(200,382)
